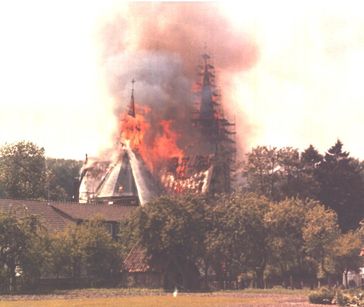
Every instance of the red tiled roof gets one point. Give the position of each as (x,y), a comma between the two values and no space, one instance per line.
(137,261)
(110,213)
(57,216)
(362,252)
(52,220)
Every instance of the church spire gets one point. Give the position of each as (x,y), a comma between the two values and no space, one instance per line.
(216,130)
(131,110)
(207,109)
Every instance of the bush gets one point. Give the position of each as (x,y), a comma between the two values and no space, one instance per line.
(342,299)
(350,298)
(321,296)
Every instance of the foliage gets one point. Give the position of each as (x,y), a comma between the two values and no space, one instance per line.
(335,179)
(240,234)
(261,172)
(25,173)
(346,251)
(321,296)
(282,173)
(22,171)
(172,231)
(302,236)
(21,251)
(62,179)
(350,298)
(285,221)
(320,232)
(236,242)
(342,186)
(86,249)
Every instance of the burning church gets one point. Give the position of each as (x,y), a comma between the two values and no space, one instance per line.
(171,149)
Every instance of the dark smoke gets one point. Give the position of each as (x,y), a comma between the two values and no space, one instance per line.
(159,45)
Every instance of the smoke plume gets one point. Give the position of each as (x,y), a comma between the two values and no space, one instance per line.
(159,45)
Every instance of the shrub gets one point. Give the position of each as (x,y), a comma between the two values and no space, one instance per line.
(341,298)
(321,296)
(353,297)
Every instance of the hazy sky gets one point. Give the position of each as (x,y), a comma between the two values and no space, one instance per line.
(305,88)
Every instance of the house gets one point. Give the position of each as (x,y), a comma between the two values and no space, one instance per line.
(56,216)
(137,271)
(354,279)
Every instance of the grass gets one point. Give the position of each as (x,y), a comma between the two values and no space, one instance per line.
(146,297)
(278,290)
(142,301)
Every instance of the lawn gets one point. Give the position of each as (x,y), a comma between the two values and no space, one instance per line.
(139,298)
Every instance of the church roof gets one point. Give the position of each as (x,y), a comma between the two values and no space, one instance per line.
(126,181)
(119,181)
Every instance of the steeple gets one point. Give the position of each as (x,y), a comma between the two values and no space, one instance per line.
(207,107)
(206,117)
(216,130)
(131,110)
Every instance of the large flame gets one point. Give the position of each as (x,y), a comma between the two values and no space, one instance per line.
(134,129)
(155,144)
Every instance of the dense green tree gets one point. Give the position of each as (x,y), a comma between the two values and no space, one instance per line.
(285,221)
(172,231)
(22,253)
(320,231)
(346,253)
(290,173)
(237,240)
(302,235)
(62,179)
(261,171)
(88,249)
(22,170)
(335,179)
(341,186)
(281,173)
(310,160)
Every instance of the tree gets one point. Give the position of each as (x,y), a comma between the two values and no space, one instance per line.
(320,231)
(345,253)
(171,229)
(22,171)
(237,240)
(281,173)
(260,171)
(290,170)
(342,187)
(62,179)
(21,250)
(310,162)
(87,248)
(285,221)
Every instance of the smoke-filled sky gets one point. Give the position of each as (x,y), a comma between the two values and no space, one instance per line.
(292,72)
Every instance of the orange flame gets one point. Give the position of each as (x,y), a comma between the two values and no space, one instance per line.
(155,148)
(135,128)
